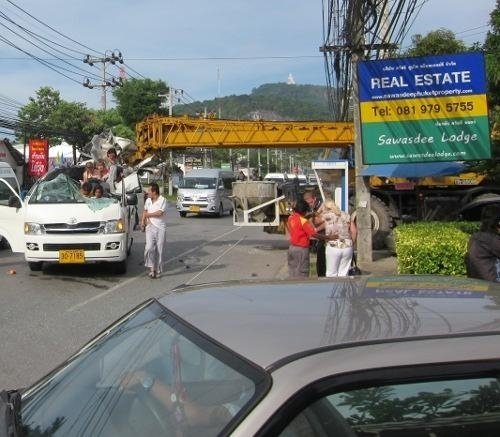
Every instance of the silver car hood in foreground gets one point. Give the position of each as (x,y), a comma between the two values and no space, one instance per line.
(266,322)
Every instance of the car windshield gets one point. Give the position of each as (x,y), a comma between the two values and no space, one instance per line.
(62,189)
(148,375)
(199,183)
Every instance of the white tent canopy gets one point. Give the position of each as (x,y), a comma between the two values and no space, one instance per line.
(62,151)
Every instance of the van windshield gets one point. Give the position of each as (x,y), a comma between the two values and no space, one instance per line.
(62,189)
(199,183)
(12,182)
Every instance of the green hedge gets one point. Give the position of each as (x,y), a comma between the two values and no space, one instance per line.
(433,247)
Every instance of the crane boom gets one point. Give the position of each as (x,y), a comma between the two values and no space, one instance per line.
(180,132)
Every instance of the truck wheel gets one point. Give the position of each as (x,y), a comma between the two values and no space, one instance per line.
(381,222)
(182,213)
(35,266)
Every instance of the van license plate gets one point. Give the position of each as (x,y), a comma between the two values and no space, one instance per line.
(194,208)
(75,256)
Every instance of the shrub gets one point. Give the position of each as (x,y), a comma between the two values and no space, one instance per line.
(433,247)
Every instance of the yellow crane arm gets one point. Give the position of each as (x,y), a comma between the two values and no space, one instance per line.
(179,132)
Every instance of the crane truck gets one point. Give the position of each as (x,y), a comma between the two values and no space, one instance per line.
(394,200)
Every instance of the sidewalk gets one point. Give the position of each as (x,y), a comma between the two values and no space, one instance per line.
(384,263)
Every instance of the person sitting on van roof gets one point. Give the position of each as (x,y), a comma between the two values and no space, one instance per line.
(86,189)
(98,191)
(88,172)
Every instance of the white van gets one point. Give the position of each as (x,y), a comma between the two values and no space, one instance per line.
(8,175)
(55,223)
(205,191)
(302,178)
(280,178)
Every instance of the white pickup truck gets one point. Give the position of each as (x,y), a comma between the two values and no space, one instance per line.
(57,224)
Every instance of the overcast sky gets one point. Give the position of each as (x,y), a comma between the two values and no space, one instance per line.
(206,48)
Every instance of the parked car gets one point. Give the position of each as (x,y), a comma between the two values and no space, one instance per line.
(385,356)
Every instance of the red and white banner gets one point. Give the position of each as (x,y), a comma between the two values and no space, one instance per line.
(38,157)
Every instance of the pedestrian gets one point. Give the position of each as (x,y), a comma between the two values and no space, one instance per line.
(154,222)
(300,231)
(340,247)
(483,249)
(315,203)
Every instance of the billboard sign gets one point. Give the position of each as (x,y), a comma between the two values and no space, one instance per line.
(424,109)
(38,163)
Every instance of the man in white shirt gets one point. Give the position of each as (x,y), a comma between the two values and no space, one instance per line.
(154,222)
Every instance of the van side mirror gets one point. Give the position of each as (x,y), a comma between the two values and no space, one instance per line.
(14,202)
(132,199)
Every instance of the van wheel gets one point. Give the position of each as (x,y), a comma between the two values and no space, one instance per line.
(120,267)
(182,213)
(221,210)
(35,266)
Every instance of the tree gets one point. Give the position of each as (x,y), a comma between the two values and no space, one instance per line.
(437,42)
(49,116)
(74,119)
(138,98)
(492,54)
(111,119)
(35,114)
(491,49)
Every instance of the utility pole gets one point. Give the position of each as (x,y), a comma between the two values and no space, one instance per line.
(363,207)
(111,57)
(168,102)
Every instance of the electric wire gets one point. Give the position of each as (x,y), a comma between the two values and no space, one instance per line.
(78,69)
(53,48)
(51,28)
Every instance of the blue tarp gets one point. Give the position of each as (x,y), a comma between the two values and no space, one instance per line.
(415,170)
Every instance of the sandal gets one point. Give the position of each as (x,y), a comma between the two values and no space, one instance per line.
(151,275)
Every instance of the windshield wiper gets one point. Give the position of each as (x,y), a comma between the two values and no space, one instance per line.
(10,413)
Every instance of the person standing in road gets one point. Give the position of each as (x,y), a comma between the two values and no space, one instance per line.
(315,204)
(483,251)
(154,222)
(300,232)
(339,249)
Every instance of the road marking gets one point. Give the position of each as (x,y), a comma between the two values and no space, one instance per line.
(134,278)
(215,260)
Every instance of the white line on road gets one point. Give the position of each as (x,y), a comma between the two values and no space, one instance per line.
(215,260)
(134,278)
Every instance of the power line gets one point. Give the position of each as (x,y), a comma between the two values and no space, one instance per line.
(51,28)
(226,58)
(51,47)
